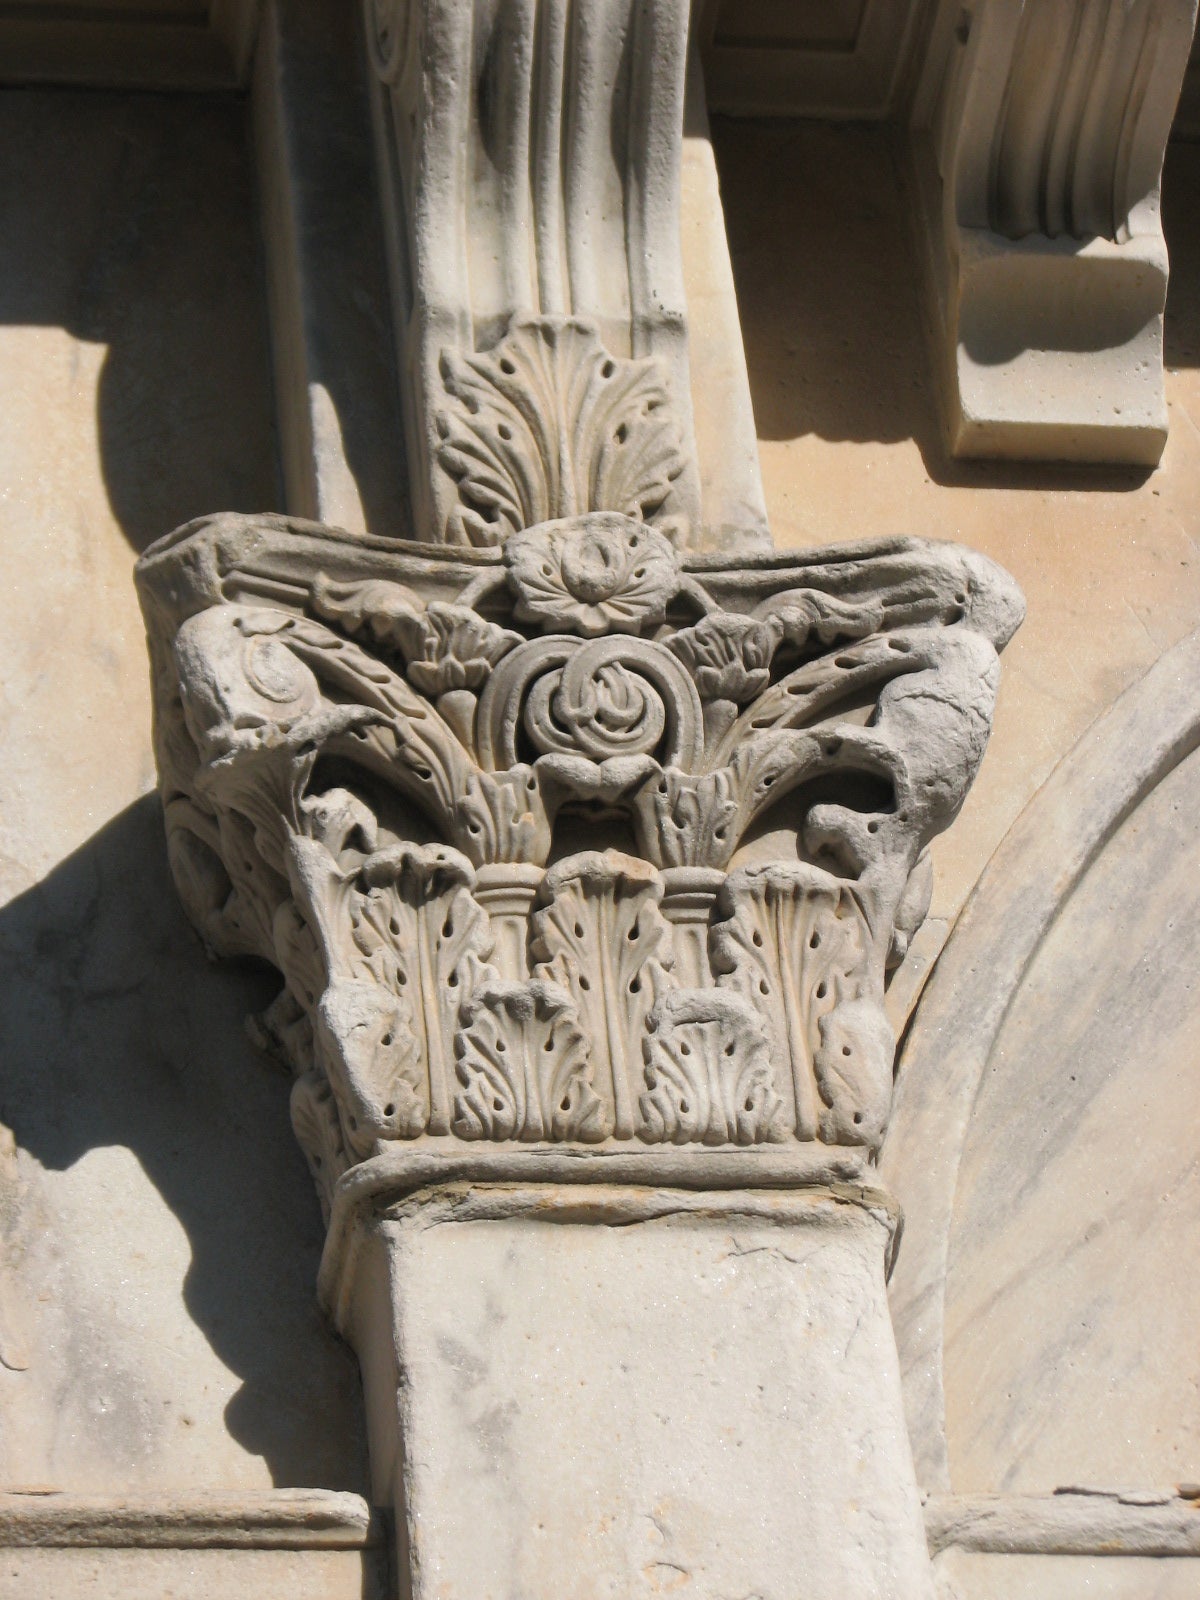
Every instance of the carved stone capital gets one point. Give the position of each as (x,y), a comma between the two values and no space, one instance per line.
(574,845)
(583,857)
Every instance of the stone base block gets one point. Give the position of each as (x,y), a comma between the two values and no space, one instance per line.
(307,1544)
(963,1575)
(622,1392)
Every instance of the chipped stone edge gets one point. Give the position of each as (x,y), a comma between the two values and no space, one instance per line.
(640,1185)
(282,1519)
(1069,1522)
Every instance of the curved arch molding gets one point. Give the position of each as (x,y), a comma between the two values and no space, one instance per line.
(978,1001)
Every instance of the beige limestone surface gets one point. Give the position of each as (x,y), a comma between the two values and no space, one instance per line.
(158,1232)
(841,380)
(189,1575)
(1071,1315)
(156,1310)
(628,1393)
(969,1576)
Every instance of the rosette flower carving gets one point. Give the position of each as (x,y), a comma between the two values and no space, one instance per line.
(729,656)
(592,575)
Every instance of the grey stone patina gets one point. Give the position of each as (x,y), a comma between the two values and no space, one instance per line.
(379,765)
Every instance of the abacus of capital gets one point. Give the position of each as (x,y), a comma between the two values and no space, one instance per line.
(583,830)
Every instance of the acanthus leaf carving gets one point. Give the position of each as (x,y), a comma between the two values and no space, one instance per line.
(445,647)
(853,1068)
(764,756)
(598,934)
(502,816)
(729,656)
(318,1129)
(547,424)
(366,1040)
(708,1073)
(404,943)
(796,944)
(804,617)
(522,1067)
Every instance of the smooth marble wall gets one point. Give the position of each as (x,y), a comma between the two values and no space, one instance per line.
(1072,1302)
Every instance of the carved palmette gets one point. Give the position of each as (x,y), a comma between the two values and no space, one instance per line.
(415,1031)
(709,1077)
(549,424)
(523,1067)
(373,764)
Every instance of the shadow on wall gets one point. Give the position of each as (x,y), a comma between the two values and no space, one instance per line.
(117,1033)
(130,223)
(831,298)
(1181,224)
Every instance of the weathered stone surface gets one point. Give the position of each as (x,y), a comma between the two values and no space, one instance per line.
(541,169)
(961,1576)
(189,1574)
(1105,565)
(1038,141)
(359,743)
(307,1543)
(846,411)
(1042,1308)
(149,1334)
(336,403)
(1102,1174)
(1073,1521)
(624,1391)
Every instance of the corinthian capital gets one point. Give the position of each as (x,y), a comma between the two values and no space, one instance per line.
(574,844)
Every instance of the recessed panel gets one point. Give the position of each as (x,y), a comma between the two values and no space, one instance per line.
(791,24)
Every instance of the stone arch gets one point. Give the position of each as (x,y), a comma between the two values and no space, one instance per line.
(986,982)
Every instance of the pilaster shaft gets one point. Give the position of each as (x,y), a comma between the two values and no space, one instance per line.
(540,159)
(633,1391)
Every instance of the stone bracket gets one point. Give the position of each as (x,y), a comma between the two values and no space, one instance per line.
(1038,133)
